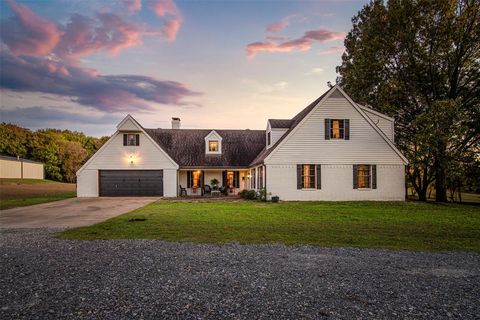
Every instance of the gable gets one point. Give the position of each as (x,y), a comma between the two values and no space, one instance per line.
(128,124)
(114,155)
(213,135)
(307,142)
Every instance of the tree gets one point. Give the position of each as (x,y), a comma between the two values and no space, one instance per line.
(418,60)
(71,155)
(62,152)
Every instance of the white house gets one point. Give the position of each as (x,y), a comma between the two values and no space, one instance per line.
(334,149)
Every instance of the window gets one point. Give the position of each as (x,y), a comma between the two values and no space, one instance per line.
(260,178)
(308,176)
(269,138)
(337,129)
(364,176)
(212,146)
(230,179)
(253,179)
(194,179)
(131,139)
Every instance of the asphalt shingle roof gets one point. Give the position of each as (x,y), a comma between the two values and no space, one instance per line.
(187,147)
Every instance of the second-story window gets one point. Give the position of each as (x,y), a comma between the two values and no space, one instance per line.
(338,129)
(131,139)
(269,138)
(213,146)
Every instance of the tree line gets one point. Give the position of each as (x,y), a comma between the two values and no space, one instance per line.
(419,61)
(62,151)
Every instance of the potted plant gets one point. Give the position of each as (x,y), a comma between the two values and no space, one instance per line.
(214,182)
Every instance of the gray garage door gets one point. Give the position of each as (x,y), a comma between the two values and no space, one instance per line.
(117,183)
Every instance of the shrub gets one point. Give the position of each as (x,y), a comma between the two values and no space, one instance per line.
(248,194)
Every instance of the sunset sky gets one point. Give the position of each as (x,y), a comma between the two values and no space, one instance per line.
(84,65)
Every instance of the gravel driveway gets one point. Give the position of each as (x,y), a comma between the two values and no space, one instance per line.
(41,277)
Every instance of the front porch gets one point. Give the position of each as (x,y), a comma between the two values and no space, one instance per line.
(212,182)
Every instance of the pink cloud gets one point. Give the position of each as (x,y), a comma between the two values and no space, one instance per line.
(332,50)
(301,44)
(84,35)
(280,25)
(28,33)
(168,8)
(171,28)
(164,7)
(132,5)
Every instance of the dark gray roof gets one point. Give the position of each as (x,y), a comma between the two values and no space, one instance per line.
(294,122)
(280,123)
(187,147)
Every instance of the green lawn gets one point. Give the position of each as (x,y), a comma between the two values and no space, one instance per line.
(22,202)
(395,225)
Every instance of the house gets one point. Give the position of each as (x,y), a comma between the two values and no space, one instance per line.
(334,149)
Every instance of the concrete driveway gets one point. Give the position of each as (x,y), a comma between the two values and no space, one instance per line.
(69,213)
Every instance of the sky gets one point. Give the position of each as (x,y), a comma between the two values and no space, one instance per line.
(84,65)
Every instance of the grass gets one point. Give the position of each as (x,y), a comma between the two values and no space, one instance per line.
(21,202)
(25,181)
(394,225)
(24,192)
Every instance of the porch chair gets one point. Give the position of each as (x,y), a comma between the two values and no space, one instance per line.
(207,189)
(183,191)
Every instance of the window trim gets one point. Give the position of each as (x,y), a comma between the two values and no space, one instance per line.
(370,176)
(213,136)
(217,146)
(127,140)
(341,129)
(314,176)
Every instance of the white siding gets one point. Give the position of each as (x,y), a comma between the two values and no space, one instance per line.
(87,183)
(307,144)
(169,182)
(277,134)
(116,156)
(387,126)
(337,184)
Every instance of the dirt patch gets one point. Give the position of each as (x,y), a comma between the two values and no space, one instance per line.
(18,190)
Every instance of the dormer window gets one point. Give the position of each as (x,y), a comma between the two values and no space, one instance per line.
(131,139)
(213,143)
(269,138)
(213,146)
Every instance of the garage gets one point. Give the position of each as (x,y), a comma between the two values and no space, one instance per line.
(134,183)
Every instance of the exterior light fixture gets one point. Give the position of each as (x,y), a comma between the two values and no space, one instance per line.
(132,159)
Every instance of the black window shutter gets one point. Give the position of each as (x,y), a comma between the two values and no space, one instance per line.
(202,179)
(224,178)
(189,179)
(236,182)
(299,176)
(137,139)
(327,129)
(355,180)
(374,176)
(124,139)
(319,176)
(347,129)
